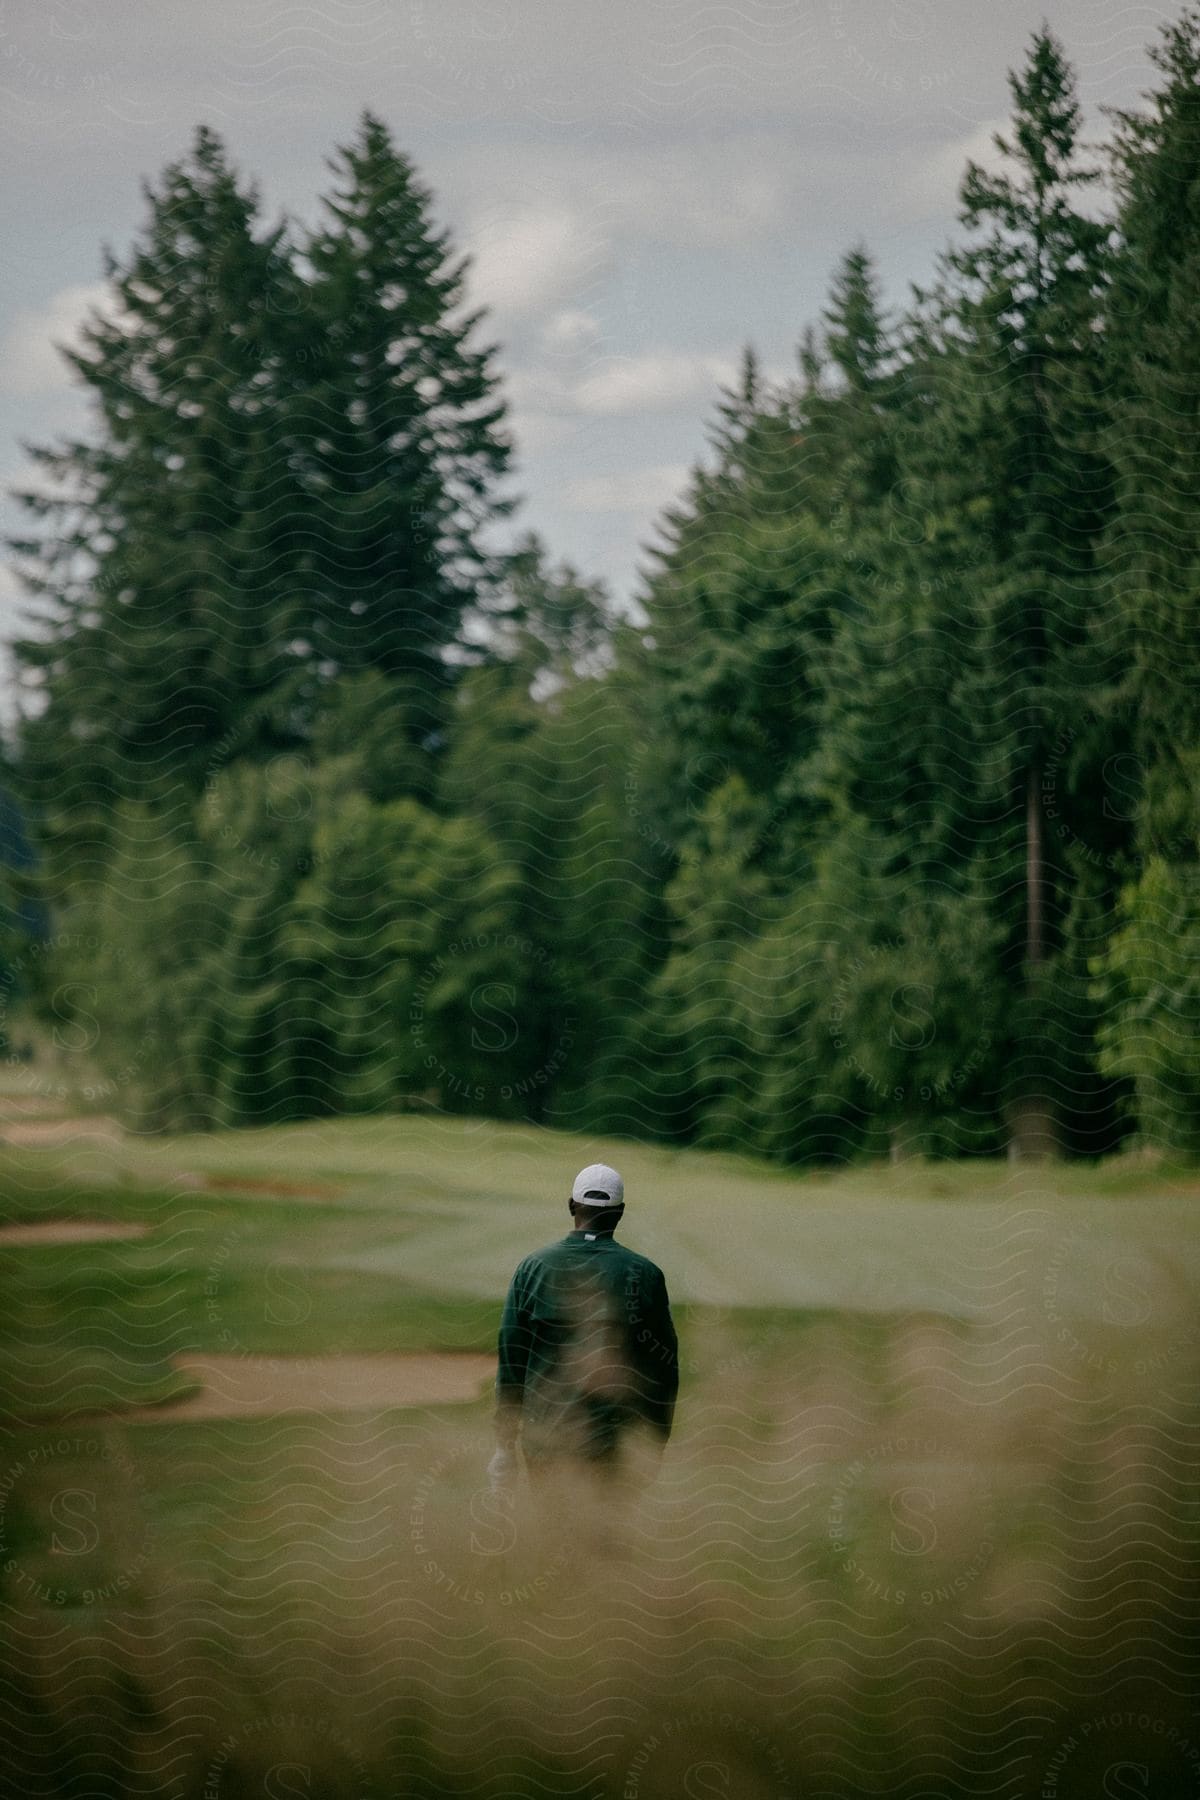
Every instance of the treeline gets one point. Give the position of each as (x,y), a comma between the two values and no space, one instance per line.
(878,828)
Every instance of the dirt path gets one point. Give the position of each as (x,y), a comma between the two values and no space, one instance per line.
(67,1231)
(239,1387)
(52,1134)
(29,1106)
(306,1193)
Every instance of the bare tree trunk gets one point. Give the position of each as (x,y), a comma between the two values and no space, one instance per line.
(1032,1126)
(1032,1129)
(1034,872)
(902,1142)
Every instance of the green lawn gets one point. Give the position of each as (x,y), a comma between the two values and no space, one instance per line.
(1008,1355)
(395,1234)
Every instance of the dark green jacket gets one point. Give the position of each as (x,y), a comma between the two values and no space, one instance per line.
(587,1349)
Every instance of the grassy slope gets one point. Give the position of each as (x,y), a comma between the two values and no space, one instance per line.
(277,1543)
(411,1227)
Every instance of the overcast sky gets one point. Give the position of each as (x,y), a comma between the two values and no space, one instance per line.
(644,184)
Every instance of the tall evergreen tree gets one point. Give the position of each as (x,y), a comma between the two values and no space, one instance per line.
(741,599)
(745,609)
(398,428)
(548,623)
(1152,334)
(832,858)
(163,541)
(1148,987)
(1019,471)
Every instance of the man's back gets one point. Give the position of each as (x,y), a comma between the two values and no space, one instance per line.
(587,1348)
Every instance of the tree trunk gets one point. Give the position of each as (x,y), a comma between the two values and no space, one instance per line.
(1034,870)
(1032,1124)
(903,1143)
(1032,1129)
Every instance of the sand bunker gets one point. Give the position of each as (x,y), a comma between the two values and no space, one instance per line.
(307,1193)
(49,1134)
(29,1106)
(288,1190)
(67,1231)
(238,1387)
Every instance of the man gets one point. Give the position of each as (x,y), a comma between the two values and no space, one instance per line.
(588,1355)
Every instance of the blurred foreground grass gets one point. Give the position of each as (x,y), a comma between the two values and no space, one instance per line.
(896,1547)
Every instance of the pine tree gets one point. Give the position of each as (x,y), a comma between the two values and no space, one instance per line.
(398,428)
(1152,337)
(156,645)
(1147,987)
(745,610)
(548,623)
(292,479)
(1018,471)
(739,602)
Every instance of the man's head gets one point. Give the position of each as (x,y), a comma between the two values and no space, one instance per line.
(597,1199)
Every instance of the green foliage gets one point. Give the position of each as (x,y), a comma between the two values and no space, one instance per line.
(1149,986)
(912,1001)
(295,460)
(332,953)
(866,830)
(548,622)
(157,569)
(399,428)
(1152,630)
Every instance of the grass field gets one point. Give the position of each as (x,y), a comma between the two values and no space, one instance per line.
(929,1524)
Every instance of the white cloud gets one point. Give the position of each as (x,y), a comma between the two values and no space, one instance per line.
(655,382)
(703,195)
(570,329)
(29,360)
(538,430)
(527,259)
(548,399)
(621,386)
(630,490)
(539,387)
(696,193)
(933,183)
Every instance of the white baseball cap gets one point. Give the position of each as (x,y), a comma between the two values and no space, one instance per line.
(598,1185)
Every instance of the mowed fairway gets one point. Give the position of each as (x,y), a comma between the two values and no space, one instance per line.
(931,1509)
(450,1205)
